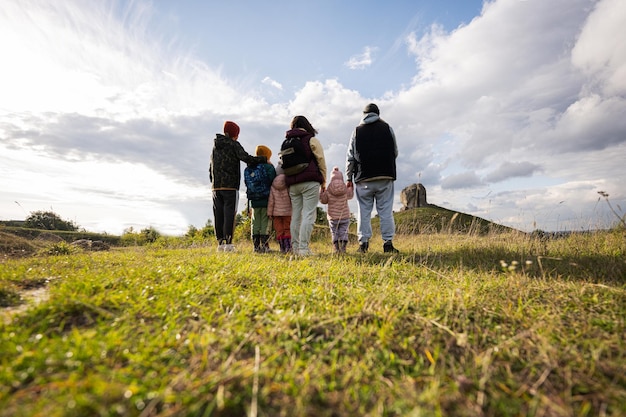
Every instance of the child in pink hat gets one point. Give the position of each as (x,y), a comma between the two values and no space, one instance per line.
(336,195)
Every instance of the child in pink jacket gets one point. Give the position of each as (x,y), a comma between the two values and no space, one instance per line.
(336,195)
(279,210)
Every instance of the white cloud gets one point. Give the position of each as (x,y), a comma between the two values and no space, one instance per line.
(105,189)
(95,62)
(272,83)
(511,170)
(363,60)
(462,180)
(604,61)
(504,88)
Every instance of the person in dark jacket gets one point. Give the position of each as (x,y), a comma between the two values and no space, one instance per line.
(371,165)
(225,176)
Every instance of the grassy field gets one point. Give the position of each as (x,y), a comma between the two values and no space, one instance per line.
(455,325)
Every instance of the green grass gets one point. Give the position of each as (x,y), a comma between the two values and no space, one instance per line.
(457,324)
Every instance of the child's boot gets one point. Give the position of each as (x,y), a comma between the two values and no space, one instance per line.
(256,239)
(288,244)
(265,243)
(336,246)
(342,246)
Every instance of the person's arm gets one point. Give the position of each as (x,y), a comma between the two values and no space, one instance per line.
(244,156)
(271,172)
(395,143)
(350,161)
(318,152)
(323,196)
(270,205)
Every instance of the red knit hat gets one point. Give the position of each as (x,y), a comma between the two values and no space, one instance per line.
(231,129)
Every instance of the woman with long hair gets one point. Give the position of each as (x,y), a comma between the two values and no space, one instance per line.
(304,187)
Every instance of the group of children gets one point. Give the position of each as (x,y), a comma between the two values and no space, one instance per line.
(270,204)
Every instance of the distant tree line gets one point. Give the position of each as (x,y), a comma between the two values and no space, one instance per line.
(48,220)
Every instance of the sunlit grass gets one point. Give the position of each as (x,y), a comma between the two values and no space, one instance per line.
(448,327)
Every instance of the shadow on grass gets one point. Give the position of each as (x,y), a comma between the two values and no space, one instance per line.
(595,268)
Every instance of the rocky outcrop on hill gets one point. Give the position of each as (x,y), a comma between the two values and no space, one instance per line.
(413,196)
(92,245)
(49,237)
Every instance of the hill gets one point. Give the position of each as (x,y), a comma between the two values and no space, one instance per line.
(17,242)
(435,219)
(57,235)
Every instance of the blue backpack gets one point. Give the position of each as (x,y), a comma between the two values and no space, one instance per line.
(258,183)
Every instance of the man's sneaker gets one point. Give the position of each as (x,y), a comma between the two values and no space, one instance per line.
(305,252)
(363,247)
(229,247)
(221,247)
(388,247)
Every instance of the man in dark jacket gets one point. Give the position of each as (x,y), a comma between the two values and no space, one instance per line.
(371,164)
(225,176)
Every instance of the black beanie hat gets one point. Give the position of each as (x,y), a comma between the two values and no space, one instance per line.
(371,108)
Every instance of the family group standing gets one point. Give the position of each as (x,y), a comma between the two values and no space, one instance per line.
(286,197)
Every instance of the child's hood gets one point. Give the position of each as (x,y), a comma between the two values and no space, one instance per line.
(279,182)
(336,186)
(222,141)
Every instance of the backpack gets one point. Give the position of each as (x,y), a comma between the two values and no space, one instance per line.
(293,156)
(257,181)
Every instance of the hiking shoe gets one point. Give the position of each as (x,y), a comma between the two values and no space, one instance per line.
(363,247)
(388,247)
(229,247)
(305,252)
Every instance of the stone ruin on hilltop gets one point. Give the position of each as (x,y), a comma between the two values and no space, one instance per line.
(413,196)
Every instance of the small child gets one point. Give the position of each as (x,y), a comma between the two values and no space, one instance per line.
(336,195)
(258,181)
(279,210)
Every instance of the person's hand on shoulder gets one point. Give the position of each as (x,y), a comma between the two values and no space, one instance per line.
(257,160)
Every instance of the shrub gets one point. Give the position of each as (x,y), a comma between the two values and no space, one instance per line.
(49,220)
(60,248)
(144,236)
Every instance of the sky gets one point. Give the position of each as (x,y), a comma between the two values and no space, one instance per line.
(510,110)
